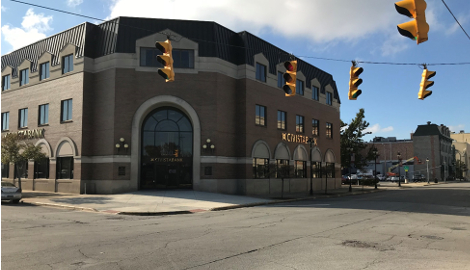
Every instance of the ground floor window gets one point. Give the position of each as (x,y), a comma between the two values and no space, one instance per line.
(300,169)
(64,168)
(316,169)
(21,169)
(330,170)
(41,168)
(282,168)
(5,170)
(260,168)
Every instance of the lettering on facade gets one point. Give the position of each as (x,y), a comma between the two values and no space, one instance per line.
(27,134)
(167,159)
(295,138)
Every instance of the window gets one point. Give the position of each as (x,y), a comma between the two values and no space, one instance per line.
(5,121)
(281,120)
(67,63)
(24,77)
(315,93)
(44,71)
(280,79)
(300,169)
(21,169)
(43,114)
(316,170)
(64,168)
(299,123)
(5,82)
(282,168)
(41,168)
(299,87)
(181,58)
(260,168)
(23,118)
(330,170)
(329,98)
(260,119)
(5,170)
(260,72)
(66,110)
(329,130)
(315,127)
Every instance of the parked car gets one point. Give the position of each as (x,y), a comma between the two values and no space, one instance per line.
(394,179)
(345,179)
(10,192)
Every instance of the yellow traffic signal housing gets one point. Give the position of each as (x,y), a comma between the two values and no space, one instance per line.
(425,84)
(354,82)
(166,59)
(291,77)
(418,28)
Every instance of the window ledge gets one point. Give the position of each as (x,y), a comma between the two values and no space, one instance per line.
(43,125)
(20,128)
(6,130)
(66,121)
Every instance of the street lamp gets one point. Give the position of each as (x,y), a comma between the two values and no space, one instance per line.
(427,168)
(445,169)
(399,165)
(376,154)
(351,150)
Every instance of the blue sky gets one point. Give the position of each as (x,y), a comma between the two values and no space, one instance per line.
(363,30)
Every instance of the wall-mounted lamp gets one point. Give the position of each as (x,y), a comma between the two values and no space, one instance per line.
(208,145)
(121,144)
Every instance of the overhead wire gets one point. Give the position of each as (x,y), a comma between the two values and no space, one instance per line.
(243,47)
(455,18)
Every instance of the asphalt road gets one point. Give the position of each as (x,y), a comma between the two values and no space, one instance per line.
(418,228)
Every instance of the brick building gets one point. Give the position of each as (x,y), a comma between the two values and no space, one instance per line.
(91,97)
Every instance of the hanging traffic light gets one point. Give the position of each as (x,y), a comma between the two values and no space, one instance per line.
(354,82)
(166,59)
(290,77)
(425,84)
(418,28)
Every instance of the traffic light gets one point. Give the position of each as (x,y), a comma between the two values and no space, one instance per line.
(354,82)
(166,59)
(425,84)
(418,28)
(291,77)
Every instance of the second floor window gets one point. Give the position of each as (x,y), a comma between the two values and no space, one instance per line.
(67,63)
(315,127)
(281,120)
(280,79)
(66,110)
(23,118)
(329,130)
(260,118)
(299,123)
(5,121)
(260,72)
(329,98)
(44,71)
(24,77)
(315,93)
(299,87)
(5,82)
(43,114)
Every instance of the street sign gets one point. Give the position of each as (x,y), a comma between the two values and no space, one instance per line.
(406,168)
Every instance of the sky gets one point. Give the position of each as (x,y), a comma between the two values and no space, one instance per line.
(312,30)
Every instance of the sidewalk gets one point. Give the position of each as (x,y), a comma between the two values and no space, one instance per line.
(167,202)
(418,184)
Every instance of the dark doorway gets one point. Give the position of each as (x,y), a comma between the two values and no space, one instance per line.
(167,150)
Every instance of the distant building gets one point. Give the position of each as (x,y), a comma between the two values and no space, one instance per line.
(461,146)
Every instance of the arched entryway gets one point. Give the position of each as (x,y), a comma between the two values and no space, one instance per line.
(166,150)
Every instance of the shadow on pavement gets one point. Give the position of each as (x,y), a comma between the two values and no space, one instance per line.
(81,200)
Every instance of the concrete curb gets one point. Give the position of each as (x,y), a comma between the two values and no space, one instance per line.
(63,206)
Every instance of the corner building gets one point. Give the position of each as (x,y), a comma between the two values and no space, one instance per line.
(91,97)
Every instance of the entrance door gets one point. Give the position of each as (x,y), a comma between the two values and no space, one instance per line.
(167,150)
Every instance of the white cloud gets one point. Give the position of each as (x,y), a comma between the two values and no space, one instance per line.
(319,20)
(377,129)
(4,8)
(457,128)
(74,3)
(33,28)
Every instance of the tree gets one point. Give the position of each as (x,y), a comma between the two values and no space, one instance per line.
(16,151)
(351,137)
